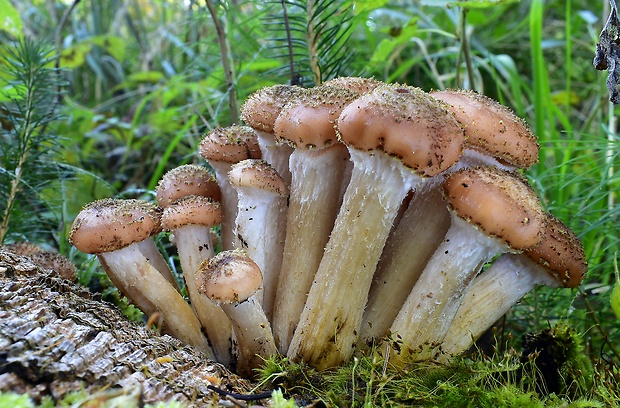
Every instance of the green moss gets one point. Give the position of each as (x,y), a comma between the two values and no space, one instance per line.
(510,380)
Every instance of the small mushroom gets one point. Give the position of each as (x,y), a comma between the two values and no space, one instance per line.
(190,219)
(397,136)
(221,148)
(112,229)
(492,212)
(557,261)
(261,221)
(231,279)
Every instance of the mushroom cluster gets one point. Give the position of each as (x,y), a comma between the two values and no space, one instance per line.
(348,214)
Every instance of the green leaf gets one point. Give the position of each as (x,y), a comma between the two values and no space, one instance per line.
(10,18)
(115,46)
(471,4)
(615,292)
(151,77)
(367,5)
(75,56)
(388,45)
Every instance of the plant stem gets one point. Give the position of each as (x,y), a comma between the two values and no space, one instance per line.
(226,62)
(312,43)
(465,50)
(598,325)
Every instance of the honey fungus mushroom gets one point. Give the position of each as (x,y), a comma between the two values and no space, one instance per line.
(492,212)
(112,229)
(231,279)
(397,136)
(557,261)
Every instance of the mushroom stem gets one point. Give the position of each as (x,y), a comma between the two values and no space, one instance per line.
(144,286)
(229,203)
(253,334)
(407,251)
(428,311)
(276,154)
(194,245)
(313,205)
(152,254)
(490,296)
(330,322)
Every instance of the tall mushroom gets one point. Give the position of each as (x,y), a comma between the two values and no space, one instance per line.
(557,261)
(319,165)
(261,221)
(221,148)
(231,279)
(260,111)
(112,229)
(494,135)
(397,136)
(190,219)
(492,212)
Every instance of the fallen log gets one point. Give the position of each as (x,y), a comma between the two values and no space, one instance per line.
(57,337)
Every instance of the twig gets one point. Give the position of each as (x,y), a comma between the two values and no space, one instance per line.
(228,69)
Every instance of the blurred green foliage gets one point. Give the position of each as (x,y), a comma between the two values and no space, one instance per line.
(145,80)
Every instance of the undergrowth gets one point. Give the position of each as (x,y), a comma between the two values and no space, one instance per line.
(553,372)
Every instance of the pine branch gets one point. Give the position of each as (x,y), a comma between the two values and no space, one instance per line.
(27,108)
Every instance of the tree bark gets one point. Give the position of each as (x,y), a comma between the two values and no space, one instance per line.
(57,337)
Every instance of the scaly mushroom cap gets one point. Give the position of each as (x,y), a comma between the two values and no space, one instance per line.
(55,262)
(229,277)
(561,253)
(24,248)
(404,122)
(261,109)
(230,144)
(259,174)
(500,203)
(191,210)
(492,127)
(309,120)
(110,224)
(356,84)
(185,180)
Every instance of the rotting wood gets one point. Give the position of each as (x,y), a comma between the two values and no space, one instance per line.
(57,337)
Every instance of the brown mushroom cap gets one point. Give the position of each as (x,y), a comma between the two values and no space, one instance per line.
(309,120)
(191,210)
(185,180)
(230,144)
(404,122)
(261,109)
(561,253)
(492,127)
(229,277)
(357,84)
(500,203)
(110,224)
(259,174)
